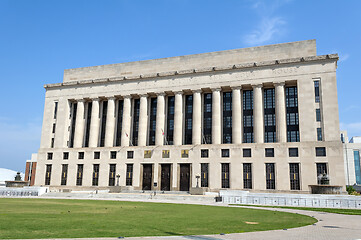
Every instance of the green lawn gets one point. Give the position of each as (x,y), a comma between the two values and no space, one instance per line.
(53,218)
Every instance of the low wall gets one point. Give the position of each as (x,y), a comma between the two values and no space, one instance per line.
(23,192)
(295,200)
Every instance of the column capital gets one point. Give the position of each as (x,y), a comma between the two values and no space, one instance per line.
(80,100)
(127,96)
(279,84)
(111,98)
(178,92)
(216,89)
(143,95)
(258,85)
(160,94)
(95,99)
(236,87)
(197,91)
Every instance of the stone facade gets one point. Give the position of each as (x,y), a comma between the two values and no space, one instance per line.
(127,132)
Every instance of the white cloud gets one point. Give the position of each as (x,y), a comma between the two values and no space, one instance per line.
(344,57)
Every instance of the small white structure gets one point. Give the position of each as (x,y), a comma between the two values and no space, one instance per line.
(351,153)
(7,175)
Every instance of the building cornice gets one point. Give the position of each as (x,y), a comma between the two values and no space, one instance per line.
(200,70)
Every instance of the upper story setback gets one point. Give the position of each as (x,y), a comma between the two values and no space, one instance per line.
(276,93)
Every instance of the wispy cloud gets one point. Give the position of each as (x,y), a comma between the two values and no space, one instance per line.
(351,107)
(353,129)
(344,57)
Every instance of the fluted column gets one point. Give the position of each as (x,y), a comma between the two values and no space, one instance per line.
(197,117)
(258,114)
(160,118)
(143,120)
(281,127)
(236,115)
(94,124)
(79,125)
(126,121)
(110,125)
(216,116)
(178,118)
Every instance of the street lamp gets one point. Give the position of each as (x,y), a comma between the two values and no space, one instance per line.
(198,176)
(118,176)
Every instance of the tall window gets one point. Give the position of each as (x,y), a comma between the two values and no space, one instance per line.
(135,122)
(319,134)
(269,115)
(88,122)
(95,174)
(64,174)
(227,117)
(152,120)
(204,174)
(119,122)
(248,116)
(129,177)
(247,175)
(55,109)
(318,115)
(170,121)
(317,90)
(225,175)
(188,117)
(103,123)
(321,170)
(356,155)
(72,125)
(112,168)
(207,119)
(48,174)
(79,175)
(293,133)
(295,176)
(270,176)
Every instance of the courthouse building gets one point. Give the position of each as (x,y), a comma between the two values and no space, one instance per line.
(260,118)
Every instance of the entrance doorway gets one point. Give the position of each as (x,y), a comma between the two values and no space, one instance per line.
(185,170)
(147,176)
(165,177)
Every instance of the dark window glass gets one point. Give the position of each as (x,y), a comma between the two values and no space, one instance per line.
(269,115)
(170,121)
(112,168)
(54,126)
(293,134)
(270,176)
(135,122)
(48,174)
(225,152)
(130,154)
(88,121)
(320,152)
(321,169)
(247,175)
(95,174)
(293,152)
(204,153)
(165,154)
(103,123)
(188,117)
(119,122)
(129,177)
(64,174)
(317,91)
(247,152)
(96,155)
(225,175)
(79,175)
(65,155)
(113,154)
(55,109)
(50,156)
(152,121)
(248,116)
(204,174)
(81,155)
(227,117)
(318,115)
(269,152)
(72,124)
(295,176)
(52,143)
(319,134)
(207,119)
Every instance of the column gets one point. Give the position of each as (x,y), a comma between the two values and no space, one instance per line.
(236,115)
(94,124)
(258,127)
(79,125)
(178,118)
(216,116)
(159,129)
(110,125)
(281,127)
(143,120)
(197,117)
(126,121)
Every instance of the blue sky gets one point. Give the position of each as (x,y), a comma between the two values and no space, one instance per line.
(39,39)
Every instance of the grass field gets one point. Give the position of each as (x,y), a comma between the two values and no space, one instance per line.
(53,218)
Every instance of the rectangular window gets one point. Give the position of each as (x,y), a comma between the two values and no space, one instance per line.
(184,153)
(54,126)
(225,175)
(207,118)
(95,174)
(73,107)
(321,170)
(293,152)
(269,152)
(247,175)
(52,143)
(270,176)
(65,155)
(112,168)
(50,156)
(188,117)
(225,153)
(64,174)
(204,174)
(79,175)
(247,152)
(320,152)
(170,121)
(152,121)
(295,176)
(227,117)
(165,154)
(356,155)
(293,133)
(130,154)
(204,153)
(48,174)
(135,122)
(113,154)
(88,122)
(319,134)
(317,90)
(248,116)
(81,155)
(269,115)
(119,123)
(129,177)
(55,109)
(103,123)
(147,153)
(96,155)
(318,115)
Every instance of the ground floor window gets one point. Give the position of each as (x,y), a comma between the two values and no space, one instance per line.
(204,174)
(270,176)
(112,168)
(295,176)
(48,174)
(225,175)
(247,175)
(129,178)
(95,174)
(321,170)
(64,174)
(79,175)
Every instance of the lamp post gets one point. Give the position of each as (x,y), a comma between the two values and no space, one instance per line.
(198,176)
(118,176)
